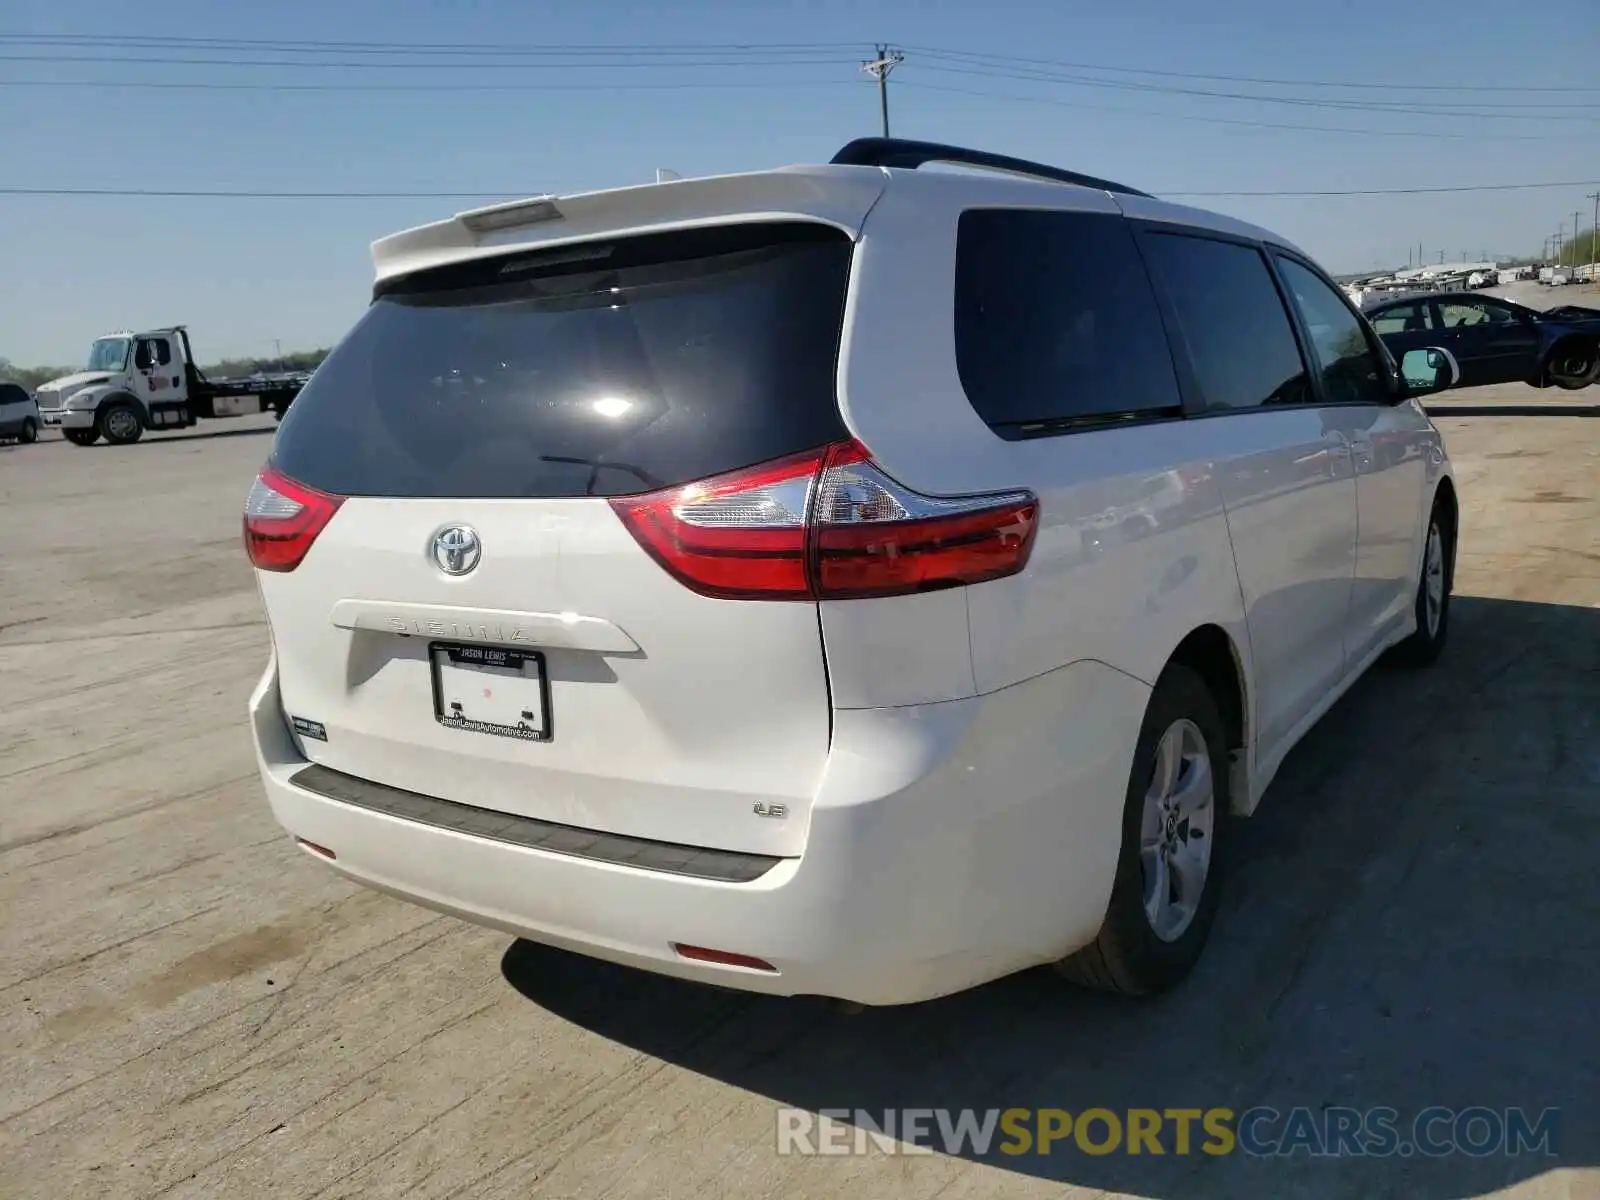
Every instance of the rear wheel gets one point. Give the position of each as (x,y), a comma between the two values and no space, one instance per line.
(81,437)
(1571,366)
(29,431)
(119,424)
(1424,647)
(1164,898)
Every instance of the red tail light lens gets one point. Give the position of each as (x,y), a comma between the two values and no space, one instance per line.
(740,536)
(282,519)
(827,525)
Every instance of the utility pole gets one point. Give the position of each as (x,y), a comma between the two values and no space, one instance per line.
(879,69)
(1594,229)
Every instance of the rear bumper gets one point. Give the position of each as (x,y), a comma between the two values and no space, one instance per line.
(66,418)
(949,844)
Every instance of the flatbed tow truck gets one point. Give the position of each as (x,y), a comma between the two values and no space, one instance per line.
(140,381)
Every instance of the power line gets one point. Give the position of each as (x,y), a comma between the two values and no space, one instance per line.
(1165,116)
(122,40)
(1296,101)
(324,46)
(431,63)
(1008,59)
(182,85)
(1410,191)
(239,193)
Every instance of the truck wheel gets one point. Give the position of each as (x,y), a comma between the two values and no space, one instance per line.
(29,432)
(81,437)
(119,424)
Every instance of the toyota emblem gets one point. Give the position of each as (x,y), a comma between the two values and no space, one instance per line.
(456,550)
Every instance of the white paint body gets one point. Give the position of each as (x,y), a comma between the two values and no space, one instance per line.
(16,409)
(953,765)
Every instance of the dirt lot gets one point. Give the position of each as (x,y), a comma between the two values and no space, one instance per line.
(191,1008)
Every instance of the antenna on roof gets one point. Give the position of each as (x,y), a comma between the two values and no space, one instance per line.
(665,176)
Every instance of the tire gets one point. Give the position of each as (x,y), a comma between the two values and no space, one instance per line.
(119,424)
(29,433)
(1149,942)
(1423,648)
(1580,361)
(81,437)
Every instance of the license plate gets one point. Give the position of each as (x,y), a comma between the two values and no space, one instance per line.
(484,689)
(50,418)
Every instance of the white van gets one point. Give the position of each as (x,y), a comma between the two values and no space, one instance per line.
(851,579)
(19,415)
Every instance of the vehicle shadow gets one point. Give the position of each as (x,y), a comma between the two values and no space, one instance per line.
(1554,408)
(1411,922)
(206,435)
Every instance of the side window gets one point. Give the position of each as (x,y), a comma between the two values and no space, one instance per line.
(1402,318)
(152,352)
(1232,321)
(1463,314)
(1351,371)
(1055,320)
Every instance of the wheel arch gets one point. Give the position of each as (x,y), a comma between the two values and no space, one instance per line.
(1212,654)
(114,398)
(1448,506)
(1564,344)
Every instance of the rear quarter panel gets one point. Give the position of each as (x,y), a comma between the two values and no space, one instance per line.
(1132,551)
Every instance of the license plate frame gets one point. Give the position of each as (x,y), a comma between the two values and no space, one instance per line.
(451,663)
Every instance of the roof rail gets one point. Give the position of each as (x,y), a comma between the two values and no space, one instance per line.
(899,152)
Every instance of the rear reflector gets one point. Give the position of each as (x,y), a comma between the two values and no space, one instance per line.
(282,519)
(724,958)
(827,525)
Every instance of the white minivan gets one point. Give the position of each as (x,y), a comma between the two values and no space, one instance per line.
(853,580)
(19,414)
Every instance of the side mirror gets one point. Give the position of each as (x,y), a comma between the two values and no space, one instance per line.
(1427,370)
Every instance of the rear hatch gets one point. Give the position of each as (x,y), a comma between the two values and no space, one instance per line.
(471,617)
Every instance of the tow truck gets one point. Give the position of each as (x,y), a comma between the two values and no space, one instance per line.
(139,381)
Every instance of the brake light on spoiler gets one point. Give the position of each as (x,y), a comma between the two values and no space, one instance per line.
(828,524)
(282,519)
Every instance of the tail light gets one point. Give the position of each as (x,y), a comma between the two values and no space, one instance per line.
(282,519)
(827,525)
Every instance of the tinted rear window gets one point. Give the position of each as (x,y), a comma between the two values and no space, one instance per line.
(593,370)
(1056,321)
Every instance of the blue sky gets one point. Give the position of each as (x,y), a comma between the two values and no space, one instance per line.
(244,272)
